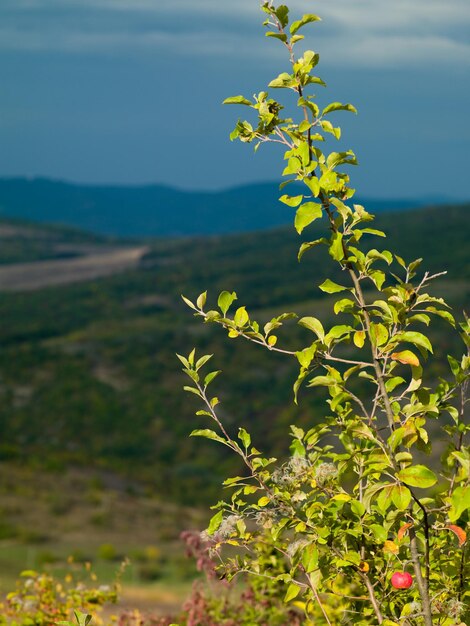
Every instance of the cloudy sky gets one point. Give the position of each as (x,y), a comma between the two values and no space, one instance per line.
(130,91)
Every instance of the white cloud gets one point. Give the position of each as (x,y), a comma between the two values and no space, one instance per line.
(396,50)
(85,42)
(370,33)
(386,15)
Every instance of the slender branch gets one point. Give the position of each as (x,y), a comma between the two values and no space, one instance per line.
(260,342)
(284,140)
(233,444)
(373,599)
(319,602)
(426,535)
(463,401)
(378,371)
(422,583)
(330,357)
(462,574)
(423,590)
(370,588)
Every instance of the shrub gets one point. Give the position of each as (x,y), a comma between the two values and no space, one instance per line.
(107,552)
(42,600)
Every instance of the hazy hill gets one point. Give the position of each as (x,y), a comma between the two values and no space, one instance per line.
(154,210)
(88,373)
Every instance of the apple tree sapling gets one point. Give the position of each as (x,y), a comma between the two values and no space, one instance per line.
(357,506)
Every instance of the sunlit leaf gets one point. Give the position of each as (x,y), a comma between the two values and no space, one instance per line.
(417,476)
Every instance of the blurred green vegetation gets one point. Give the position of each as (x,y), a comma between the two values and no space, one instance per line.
(23,242)
(88,373)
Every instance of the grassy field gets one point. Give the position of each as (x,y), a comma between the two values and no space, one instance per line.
(57,522)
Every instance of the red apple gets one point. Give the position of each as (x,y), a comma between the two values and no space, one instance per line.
(401,580)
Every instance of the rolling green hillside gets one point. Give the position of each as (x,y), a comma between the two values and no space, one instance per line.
(23,242)
(88,374)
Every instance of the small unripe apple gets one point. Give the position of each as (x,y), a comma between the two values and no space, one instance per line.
(401,580)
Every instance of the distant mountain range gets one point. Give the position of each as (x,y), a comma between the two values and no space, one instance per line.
(157,210)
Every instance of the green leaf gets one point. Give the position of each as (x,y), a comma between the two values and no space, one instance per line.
(293,591)
(83,619)
(310,244)
(373,231)
(310,558)
(417,476)
(444,314)
(313,184)
(210,377)
(385,255)
(336,246)
(281,36)
(234,480)
(420,317)
(359,338)
(339,158)
(201,301)
(293,166)
(358,508)
(378,278)
(379,532)
(282,81)
(306,214)
(379,334)
(304,153)
(401,497)
(237,100)
(191,356)
(345,304)
(313,324)
(291,200)
(184,361)
(337,332)
(208,434)
(305,356)
(282,14)
(188,302)
(328,127)
(460,502)
(328,286)
(418,339)
(306,19)
(202,361)
(322,381)
(394,382)
(225,301)
(304,126)
(215,522)
(298,383)
(383,500)
(244,437)
(338,106)
(329,182)
(241,317)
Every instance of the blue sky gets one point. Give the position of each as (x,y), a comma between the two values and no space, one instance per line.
(130,91)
